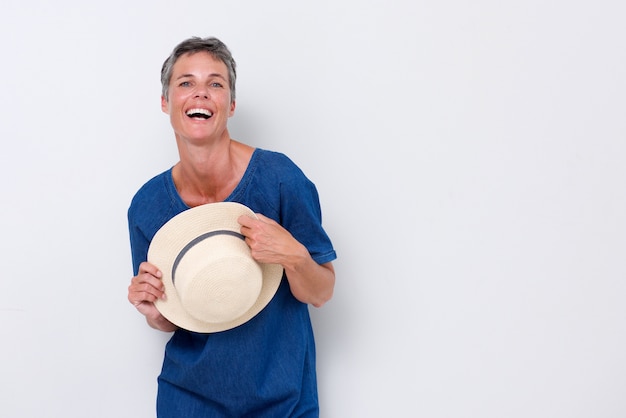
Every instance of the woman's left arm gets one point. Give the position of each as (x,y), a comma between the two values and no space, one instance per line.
(269,242)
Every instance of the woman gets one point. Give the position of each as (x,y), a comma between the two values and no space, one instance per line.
(265,367)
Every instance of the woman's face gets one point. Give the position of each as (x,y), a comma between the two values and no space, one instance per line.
(199,101)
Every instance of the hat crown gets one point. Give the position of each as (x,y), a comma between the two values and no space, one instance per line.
(216,278)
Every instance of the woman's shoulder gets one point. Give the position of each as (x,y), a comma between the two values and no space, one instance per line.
(275,161)
(153,190)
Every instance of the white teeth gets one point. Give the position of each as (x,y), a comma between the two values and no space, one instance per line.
(205,112)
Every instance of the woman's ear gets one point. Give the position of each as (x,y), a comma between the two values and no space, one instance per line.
(164,106)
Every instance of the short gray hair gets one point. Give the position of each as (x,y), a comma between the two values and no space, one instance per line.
(213,46)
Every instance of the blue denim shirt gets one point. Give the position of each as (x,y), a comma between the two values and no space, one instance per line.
(265,367)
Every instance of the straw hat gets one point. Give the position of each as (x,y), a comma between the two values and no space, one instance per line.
(211,281)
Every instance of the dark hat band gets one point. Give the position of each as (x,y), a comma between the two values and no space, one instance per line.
(197,240)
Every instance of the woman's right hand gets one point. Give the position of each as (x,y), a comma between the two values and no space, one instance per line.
(145,288)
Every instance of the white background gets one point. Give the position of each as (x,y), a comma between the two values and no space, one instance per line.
(470,161)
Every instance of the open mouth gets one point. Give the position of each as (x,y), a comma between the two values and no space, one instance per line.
(203,114)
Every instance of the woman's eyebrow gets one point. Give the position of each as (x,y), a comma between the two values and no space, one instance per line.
(210,75)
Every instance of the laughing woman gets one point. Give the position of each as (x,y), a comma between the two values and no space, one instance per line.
(264,367)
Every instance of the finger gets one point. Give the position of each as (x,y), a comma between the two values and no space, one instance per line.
(265,219)
(145,287)
(246,221)
(147,267)
(149,278)
(144,292)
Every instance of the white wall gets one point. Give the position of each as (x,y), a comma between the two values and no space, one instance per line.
(470,161)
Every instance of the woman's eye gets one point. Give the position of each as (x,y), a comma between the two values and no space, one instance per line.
(185,84)
(216,84)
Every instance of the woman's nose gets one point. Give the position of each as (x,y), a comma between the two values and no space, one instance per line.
(202,92)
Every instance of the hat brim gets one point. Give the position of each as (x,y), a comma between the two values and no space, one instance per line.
(170,240)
